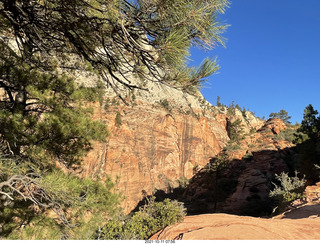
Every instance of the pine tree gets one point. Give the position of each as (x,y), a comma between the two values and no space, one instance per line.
(235,130)
(42,122)
(282,114)
(310,124)
(307,138)
(150,38)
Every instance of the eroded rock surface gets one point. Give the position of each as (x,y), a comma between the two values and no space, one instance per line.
(154,142)
(232,227)
(244,184)
(300,222)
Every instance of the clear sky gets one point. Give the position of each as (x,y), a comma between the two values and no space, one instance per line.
(272,57)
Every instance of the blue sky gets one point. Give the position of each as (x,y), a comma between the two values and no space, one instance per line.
(272,57)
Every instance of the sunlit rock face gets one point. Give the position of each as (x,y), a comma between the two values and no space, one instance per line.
(303,224)
(160,137)
(152,146)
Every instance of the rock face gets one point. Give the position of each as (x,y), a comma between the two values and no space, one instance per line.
(300,226)
(312,193)
(159,139)
(243,186)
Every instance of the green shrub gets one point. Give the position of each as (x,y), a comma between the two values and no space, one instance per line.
(165,103)
(232,147)
(118,119)
(290,189)
(150,218)
(112,230)
(248,155)
(184,181)
(286,135)
(87,204)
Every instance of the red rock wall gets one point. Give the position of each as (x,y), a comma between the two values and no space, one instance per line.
(152,148)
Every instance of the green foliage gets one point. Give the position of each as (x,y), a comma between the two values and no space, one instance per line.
(219,162)
(231,109)
(150,218)
(307,156)
(286,135)
(39,228)
(196,76)
(248,156)
(310,124)
(165,104)
(283,114)
(86,204)
(232,147)
(118,119)
(184,181)
(45,119)
(288,189)
(308,145)
(134,35)
(235,130)
(252,130)
(46,116)
(300,137)
(218,103)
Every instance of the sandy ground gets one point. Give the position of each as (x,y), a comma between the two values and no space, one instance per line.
(297,224)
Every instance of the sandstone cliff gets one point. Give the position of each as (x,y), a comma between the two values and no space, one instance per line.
(242,186)
(157,140)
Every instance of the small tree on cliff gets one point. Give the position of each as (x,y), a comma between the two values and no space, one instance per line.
(235,130)
(282,114)
(308,140)
(310,124)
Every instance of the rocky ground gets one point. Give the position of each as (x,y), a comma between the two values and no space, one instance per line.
(300,222)
(303,224)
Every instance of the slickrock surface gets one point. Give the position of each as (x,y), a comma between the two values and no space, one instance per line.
(300,222)
(303,224)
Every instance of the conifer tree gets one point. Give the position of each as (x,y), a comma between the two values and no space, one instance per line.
(310,124)
(282,114)
(43,122)
(148,37)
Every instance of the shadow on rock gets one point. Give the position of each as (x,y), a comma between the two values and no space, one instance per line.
(307,211)
(238,187)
